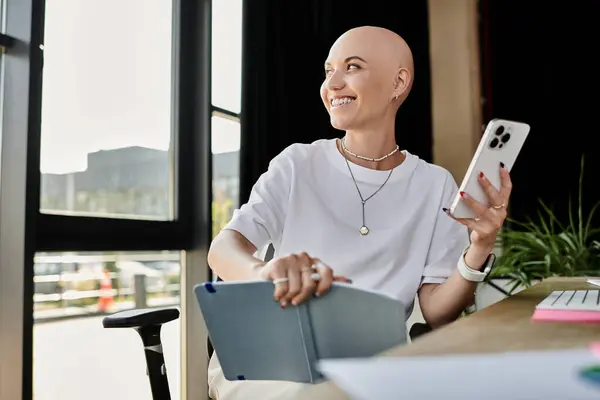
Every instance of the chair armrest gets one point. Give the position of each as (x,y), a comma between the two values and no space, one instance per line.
(140,318)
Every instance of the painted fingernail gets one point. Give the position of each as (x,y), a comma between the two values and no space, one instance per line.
(501,164)
(463,194)
(481,174)
(444,209)
(284,304)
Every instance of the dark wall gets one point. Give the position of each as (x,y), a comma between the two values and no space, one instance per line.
(539,67)
(284,48)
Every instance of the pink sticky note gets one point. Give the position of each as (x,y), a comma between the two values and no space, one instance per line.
(585,317)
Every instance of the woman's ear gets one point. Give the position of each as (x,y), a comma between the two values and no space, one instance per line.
(402,83)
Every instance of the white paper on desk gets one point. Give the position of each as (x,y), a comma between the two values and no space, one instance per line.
(507,376)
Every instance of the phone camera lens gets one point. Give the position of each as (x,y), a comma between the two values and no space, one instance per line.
(505,138)
(494,143)
(500,130)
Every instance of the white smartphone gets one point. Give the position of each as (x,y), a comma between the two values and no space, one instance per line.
(501,143)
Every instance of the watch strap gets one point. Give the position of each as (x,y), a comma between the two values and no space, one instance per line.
(471,274)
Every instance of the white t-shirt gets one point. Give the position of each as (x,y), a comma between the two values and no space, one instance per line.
(308,202)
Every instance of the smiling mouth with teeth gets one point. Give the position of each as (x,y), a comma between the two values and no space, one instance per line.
(341,101)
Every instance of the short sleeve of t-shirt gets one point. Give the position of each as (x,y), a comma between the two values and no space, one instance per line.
(450,238)
(261,219)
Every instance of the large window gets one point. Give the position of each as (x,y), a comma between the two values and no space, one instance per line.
(226,106)
(106,192)
(107,146)
(106,108)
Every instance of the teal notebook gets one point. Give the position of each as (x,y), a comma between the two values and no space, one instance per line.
(255,339)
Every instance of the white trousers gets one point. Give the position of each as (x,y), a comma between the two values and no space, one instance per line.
(220,388)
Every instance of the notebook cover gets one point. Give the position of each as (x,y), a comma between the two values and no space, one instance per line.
(252,336)
(257,340)
(350,322)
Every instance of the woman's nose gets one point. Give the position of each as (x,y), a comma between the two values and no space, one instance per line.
(335,81)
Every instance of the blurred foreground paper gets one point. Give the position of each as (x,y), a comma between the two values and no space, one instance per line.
(562,374)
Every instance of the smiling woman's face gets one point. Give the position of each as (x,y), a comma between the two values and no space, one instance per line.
(354,91)
(361,79)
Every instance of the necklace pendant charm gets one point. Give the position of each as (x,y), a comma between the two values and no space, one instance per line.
(364,230)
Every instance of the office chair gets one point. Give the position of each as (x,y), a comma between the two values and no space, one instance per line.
(419,329)
(148,323)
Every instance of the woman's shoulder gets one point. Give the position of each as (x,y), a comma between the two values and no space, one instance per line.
(300,153)
(435,174)
(431,170)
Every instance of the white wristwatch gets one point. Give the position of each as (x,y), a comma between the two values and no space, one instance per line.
(471,274)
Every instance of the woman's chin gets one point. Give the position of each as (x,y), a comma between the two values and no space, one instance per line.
(342,124)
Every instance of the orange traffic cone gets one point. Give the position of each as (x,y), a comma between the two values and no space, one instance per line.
(106,300)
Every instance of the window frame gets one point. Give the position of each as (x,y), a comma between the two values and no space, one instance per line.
(20,58)
(190,109)
(25,230)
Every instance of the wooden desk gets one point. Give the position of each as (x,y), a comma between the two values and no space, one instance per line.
(503,326)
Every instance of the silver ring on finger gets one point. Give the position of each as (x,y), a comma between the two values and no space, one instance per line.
(315,276)
(477,219)
(499,207)
(280,280)
(317,265)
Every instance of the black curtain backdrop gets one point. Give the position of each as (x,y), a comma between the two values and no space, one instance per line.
(539,66)
(285,45)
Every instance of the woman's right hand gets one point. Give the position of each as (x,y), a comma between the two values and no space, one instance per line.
(297,277)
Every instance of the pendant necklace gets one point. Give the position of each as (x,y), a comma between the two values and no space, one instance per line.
(364,229)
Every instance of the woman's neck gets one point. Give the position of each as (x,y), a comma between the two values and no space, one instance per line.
(372,145)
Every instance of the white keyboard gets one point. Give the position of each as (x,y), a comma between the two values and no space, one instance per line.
(576,300)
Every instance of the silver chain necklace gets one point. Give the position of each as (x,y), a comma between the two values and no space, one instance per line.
(364,230)
(368,158)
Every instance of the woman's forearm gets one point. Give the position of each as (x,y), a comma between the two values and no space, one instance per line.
(231,257)
(443,303)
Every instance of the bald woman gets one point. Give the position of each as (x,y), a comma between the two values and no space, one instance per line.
(357,208)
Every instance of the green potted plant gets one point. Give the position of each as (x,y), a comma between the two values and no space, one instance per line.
(545,247)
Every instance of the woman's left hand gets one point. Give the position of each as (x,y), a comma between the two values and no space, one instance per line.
(489,220)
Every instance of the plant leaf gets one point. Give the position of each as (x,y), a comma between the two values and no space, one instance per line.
(533,250)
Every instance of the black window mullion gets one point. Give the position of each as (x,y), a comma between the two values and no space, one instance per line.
(72,233)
